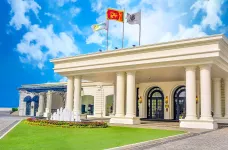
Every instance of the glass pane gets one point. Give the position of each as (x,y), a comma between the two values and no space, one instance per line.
(182,94)
(157,94)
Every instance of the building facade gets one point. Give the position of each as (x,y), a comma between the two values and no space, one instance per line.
(183,80)
(43,99)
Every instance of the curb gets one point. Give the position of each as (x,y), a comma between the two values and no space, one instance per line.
(150,142)
(14,124)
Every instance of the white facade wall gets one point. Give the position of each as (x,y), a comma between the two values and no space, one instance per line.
(101,92)
(22,104)
(168,89)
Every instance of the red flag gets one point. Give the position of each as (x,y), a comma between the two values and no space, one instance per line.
(113,14)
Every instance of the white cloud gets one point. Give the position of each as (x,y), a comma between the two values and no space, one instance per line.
(212,8)
(99,6)
(76,28)
(52,15)
(95,38)
(62,2)
(63,79)
(184,33)
(75,11)
(39,44)
(123,2)
(162,20)
(20,10)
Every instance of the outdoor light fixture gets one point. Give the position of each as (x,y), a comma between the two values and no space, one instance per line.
(140,99)
(166,99)
(197,100)
(82,92)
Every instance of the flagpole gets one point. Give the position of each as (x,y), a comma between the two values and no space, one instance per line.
(107,32)
(123,30)
(140,28)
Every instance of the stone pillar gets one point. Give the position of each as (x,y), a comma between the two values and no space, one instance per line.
(70,91)
(41,104)
(22,104)
(190,93)
(226,98)
(131,92)
(32,108)
(77,95)
(120,94)
(217,98)
(205,90)
(49,104)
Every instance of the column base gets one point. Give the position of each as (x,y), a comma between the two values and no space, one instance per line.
(47,115)
(198,124)
(125,120)
(39,114)
(221,120)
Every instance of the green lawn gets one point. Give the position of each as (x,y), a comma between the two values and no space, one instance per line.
(27,137)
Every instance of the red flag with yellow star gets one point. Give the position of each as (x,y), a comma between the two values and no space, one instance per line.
(113,14)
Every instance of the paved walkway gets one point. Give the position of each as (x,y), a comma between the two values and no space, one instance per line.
(215,140)
(7,122)
(207,140)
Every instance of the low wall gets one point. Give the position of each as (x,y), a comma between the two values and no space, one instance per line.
(5,109)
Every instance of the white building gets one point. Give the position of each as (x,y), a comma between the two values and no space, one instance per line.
(186,80)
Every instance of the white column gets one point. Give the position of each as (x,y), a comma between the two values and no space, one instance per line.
(120,94)
(70,91)
(190,93)
(32,109)
(22,107)
(77,95)
(49,104)
(217,97)
(205,90)
(226,97)
(130,96)
(41,104)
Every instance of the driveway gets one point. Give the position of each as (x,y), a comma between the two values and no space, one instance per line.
(214,140)
(7,122)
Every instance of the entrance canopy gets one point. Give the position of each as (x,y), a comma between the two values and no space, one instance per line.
(157,62)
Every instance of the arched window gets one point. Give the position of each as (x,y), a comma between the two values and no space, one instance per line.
(155,104)
(180,103)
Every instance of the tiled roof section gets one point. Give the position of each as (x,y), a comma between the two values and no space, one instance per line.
(61,86)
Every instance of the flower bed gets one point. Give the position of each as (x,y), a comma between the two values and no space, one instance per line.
(64,124)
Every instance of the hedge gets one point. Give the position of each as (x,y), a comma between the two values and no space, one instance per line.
(65,124)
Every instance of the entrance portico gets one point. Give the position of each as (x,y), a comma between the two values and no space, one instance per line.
(192,63)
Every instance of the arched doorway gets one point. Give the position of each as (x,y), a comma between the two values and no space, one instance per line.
(87,105)
(155,104)
(109,105)
(36,104)
(179,103)
(28,100)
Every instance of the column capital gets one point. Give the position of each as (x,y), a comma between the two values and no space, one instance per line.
(131,72)
(49,92)
(77,77)
(120,73)
(216,79)
(42,93)
(70,77)
(205,66)
(190,68)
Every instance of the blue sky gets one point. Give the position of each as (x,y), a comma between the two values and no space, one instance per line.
(35,31)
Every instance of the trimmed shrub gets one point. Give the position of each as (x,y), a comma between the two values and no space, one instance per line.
(65,124)
(14,109)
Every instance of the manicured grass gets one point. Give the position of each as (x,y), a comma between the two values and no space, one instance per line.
(27,137)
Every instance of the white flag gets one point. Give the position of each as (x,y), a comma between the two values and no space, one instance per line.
(134,18)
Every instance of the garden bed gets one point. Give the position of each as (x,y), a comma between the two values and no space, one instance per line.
(65,124)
